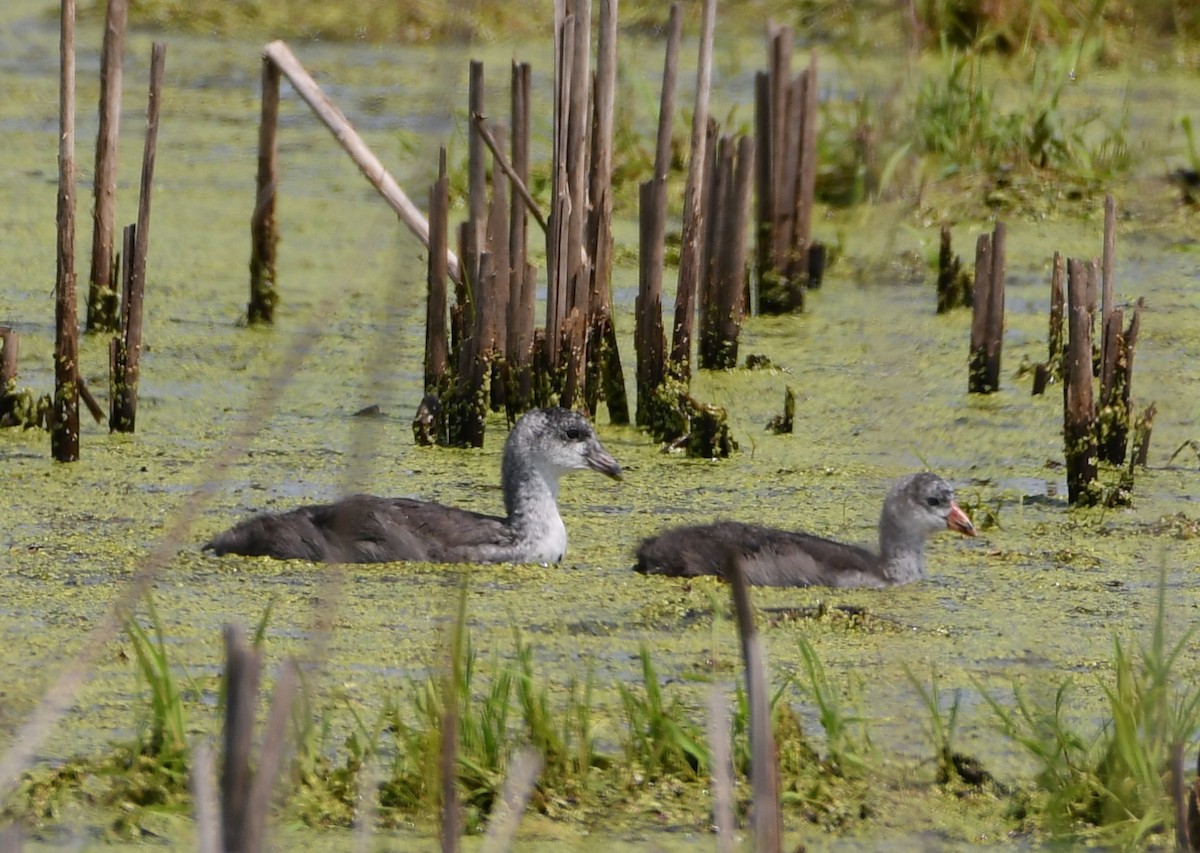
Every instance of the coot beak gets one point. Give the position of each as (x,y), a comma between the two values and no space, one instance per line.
(599,459)
(958,520)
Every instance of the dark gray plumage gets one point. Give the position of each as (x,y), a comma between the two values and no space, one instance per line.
(918,506)
(544,445)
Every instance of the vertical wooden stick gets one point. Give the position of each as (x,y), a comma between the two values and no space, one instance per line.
(64,429)
(995,308)
(690,249)
(264,238)
(722,771)
(1079,416)
(476,192)
(126,406)
(205,801)
(437,351)
(102,294)
(1057,304)
(10,345)
(522,306)
(764,190)
(1108,282)
(732,263)
(270,759)
(806,188)
(764,769)
(242,664)
(977,364)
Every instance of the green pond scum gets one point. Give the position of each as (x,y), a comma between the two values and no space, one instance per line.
(1031,608)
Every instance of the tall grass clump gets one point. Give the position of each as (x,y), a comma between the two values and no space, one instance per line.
(659,741)
(847,740)
(1112,784)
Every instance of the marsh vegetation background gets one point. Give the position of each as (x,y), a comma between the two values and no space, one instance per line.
(929,115)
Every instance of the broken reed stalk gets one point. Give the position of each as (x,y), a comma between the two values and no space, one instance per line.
(987,318)
(651,343)
(499,288)
(764,769)
(1117,385)
(605,376)
(476,198)
(953,282)
(502,825)
(437,351)
(690,245)
(722,771)
(1057,306)
(451,817)
(727,303)
(522,275)
(1052,367)
(264,238)
(560,202)
(802,157)
(246,794)
(1112,377)
(10,347)
(948,267)
(205,810)
(1079,409)
(125,405)
(64,423)
(786,130)
(102,296)
(519,188)
(370,166)
(117,347)
(243,664)
(1108,263)
(1142,428)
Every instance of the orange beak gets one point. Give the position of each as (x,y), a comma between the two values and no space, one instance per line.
(960,521)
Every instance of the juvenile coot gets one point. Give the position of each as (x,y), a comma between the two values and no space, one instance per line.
(918,506)
(544,445)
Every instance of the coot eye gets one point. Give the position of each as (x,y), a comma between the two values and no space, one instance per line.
(576,434)
(934,500)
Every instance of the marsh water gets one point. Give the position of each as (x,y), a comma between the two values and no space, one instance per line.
(881,390)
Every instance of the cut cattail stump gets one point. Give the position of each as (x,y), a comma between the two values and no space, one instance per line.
(245,794)
(264,238)
(785,127)
(722,302)
(650,340)
(1079,410)
(124,403)
(1117,394)
(10,346)
(953,282)
(1052,368)
(64,423)
(691,247)
(1143,426)
(785,423)
(522,275)
(987,319)
(103,296)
